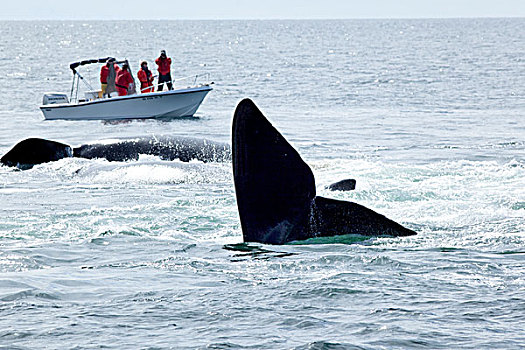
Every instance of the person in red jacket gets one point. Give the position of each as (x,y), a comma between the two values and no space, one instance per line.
(124,80)
(164,67)
(108,73)
(146,78)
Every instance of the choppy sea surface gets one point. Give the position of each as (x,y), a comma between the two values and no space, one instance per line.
(427,115)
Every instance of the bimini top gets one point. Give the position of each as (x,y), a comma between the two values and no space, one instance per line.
(84,62)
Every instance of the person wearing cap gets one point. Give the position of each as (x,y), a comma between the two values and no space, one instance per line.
(124,81)
(108,73)
(146,78)
(164,67)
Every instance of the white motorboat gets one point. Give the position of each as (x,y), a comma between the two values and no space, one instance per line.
(180,102)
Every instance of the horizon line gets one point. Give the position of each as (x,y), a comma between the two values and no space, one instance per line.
(255,19)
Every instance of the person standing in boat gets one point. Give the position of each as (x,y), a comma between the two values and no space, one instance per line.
(164,67)
(108,74)
(124,81)
(146,78)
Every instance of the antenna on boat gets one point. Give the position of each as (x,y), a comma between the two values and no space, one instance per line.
(85,81)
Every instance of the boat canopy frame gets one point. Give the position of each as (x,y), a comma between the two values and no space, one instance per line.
(75,65)
(77,77)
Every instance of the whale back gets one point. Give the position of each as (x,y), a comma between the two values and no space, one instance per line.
(273,185)
(166,148)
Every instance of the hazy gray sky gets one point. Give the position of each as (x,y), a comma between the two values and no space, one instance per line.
(260,9)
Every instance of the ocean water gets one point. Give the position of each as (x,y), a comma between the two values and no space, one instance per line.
(426,115)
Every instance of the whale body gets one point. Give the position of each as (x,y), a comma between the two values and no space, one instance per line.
(166,148)
(33,151)
(275,190)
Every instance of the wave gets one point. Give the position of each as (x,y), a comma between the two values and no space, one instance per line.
(147,170)
(461,202)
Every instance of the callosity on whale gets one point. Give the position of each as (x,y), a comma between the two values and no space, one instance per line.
(276,194)
(30,152)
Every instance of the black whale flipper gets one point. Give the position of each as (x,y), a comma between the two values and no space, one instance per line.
(33,151)
(274,186)
(275,190)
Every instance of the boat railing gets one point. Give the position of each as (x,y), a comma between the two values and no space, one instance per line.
(191,81)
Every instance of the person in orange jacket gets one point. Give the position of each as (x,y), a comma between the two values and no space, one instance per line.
(124,80)
(146,78)
(164,67)
(108,73)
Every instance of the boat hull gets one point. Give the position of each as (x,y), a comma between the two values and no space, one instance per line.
(164,104)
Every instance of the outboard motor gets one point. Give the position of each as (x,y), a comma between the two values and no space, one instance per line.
(52,98)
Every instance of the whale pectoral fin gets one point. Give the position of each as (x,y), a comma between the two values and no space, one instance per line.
(275,190)
(273,185)
(332,217)
(30,152)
